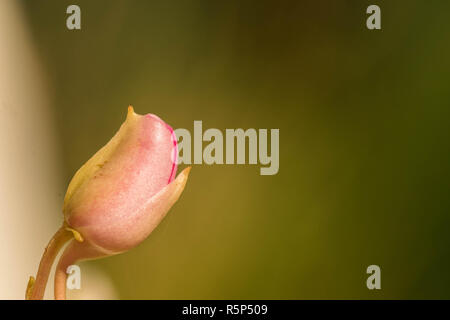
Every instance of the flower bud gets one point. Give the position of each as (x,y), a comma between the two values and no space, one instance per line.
(121,194)
(116,199)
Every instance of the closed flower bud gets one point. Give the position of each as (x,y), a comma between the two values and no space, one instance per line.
(117,198)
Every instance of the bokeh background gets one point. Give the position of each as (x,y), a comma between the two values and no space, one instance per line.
(364,140)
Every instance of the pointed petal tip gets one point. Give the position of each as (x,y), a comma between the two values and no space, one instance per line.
(184,175)
(130,111)
(181,179)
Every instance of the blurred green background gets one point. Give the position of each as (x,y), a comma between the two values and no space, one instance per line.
(364,139)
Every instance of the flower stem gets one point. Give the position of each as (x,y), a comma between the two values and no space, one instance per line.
(75,251)
(36,288)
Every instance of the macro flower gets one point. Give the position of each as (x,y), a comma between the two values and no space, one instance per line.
(116,199)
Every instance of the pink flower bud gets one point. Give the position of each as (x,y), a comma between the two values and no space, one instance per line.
(117,198)
(110,199)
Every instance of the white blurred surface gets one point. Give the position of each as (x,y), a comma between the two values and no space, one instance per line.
(31,190)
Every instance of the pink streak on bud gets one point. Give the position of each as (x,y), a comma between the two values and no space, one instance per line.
(174,150)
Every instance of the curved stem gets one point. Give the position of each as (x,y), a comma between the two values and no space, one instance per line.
(74,252)
(36,288)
